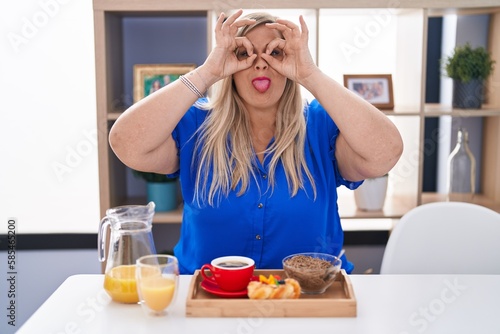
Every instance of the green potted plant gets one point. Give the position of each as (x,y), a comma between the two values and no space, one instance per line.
(160,189)
(468,67)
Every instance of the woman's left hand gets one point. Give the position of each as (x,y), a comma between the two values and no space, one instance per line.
(297,63)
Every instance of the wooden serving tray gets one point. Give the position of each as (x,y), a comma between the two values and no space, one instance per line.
(337,301)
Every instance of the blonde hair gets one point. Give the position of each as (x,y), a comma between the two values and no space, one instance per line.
(227,156)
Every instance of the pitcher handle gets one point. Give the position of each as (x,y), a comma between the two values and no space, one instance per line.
(101,238)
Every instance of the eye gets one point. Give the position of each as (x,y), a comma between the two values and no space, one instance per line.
(277,53)
(241,54)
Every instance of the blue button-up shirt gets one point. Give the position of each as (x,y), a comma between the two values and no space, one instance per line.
(263,224)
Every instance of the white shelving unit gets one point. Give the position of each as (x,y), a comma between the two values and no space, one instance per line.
(399,33)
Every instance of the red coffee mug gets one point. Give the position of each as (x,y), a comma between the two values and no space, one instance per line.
(230,273)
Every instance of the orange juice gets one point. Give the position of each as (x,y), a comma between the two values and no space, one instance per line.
(120,284)
(157,292)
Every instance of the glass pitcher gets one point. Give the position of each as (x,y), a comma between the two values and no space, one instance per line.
(130,238)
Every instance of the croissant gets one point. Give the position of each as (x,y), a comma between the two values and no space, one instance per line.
(259,290)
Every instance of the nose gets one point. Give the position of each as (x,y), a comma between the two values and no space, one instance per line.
(260,63)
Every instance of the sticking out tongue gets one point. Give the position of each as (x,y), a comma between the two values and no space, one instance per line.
(262,85)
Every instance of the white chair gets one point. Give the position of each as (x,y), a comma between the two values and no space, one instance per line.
(444,238)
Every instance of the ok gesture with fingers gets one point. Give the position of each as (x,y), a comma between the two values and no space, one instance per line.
(297,63)
(222,61)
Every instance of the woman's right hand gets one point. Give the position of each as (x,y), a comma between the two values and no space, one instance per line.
(141,136)
(223,61)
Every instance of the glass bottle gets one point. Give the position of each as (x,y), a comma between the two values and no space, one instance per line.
(461,170)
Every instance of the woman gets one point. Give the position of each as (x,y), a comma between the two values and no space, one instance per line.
(258,168)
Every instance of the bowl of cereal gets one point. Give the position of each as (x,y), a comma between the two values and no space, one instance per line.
(315,272)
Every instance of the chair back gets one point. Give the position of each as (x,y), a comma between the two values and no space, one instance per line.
(444,238)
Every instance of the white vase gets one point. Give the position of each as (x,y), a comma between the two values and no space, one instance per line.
(370,196)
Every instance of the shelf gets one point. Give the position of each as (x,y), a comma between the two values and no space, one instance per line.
(485,9)
(478,199)
(167,217)
(437,110)
(439,7)
(399,111)
(394,208)
(430,110)
(113,116)
(402,111)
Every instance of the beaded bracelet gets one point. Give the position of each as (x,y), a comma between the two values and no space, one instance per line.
(191,86)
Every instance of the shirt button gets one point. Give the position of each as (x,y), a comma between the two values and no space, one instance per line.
(257,237)
(264,176)
(260,206)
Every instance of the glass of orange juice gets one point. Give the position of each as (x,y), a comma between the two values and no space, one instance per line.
(157,278)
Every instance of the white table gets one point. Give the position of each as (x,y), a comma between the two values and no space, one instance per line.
(386,304)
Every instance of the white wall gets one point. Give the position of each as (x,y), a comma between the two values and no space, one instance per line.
(34,283)
(48,152)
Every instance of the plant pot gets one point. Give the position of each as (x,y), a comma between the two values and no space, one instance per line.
(467,95)
(370,196)
(163,194)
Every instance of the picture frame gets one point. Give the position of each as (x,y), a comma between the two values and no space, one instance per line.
(374,88)
(151,77)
